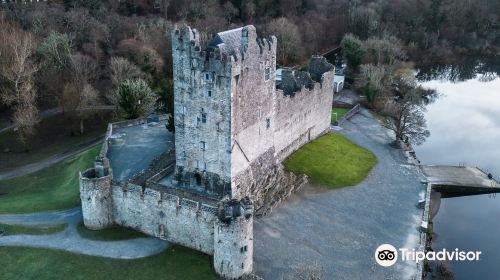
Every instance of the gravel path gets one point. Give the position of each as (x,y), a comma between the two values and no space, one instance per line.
(70,240)
(339,230)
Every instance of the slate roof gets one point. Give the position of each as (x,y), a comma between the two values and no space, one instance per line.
(228,41)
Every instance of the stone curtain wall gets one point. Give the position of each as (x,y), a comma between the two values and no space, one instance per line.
(186,222)
(303,116)
(297,117)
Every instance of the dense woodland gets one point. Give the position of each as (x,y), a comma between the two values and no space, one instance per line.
(77,54)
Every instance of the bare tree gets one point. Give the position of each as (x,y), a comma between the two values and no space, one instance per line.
(406,117)
(385,50)
(17,69)
(84,70)
(289,39)
(82,102)
(79,95)
(55,50)
(372,80)
(122,69)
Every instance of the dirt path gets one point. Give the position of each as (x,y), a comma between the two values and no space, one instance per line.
(69,239)
(33,167)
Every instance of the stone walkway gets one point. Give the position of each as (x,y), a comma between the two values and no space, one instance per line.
(70,240)
(339,230)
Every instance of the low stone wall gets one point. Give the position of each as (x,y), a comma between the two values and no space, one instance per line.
(159,164)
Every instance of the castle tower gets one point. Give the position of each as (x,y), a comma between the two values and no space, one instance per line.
(95,195)
(223,106)
(202,112)
(233,240)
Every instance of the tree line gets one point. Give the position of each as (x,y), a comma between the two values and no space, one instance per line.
(78,53)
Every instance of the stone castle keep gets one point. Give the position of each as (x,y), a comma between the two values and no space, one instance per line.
(233,127)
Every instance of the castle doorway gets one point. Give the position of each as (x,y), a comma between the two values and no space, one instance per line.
(197,178)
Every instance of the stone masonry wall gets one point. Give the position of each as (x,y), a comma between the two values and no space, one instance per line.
(179,220)
(202,109)
(295,119)
(303,116)
(95,194)
(233,241)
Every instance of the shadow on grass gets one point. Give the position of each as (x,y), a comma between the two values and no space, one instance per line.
(175,262)
(7,230)
(109,234)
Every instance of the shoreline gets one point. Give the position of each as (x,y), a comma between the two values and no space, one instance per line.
(411,157)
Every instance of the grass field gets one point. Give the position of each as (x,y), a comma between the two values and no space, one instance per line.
(340,112)
(34,230)
(43,264)
(109,234)
(332,161)
(52,188)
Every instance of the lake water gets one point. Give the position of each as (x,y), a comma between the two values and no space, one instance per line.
(465,128)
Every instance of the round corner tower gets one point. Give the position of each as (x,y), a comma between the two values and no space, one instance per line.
(233,241)
(95,196)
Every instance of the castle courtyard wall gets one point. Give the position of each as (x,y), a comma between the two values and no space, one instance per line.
(179,220)
(303,116)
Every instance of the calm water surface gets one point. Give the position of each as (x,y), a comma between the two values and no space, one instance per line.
(465,127)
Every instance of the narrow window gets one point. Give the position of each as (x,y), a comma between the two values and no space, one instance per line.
(268,123)
(203,117)
(268,73)
(203,145)
(207,76)
(209,93)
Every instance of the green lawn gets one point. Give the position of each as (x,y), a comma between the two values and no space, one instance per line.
(174,263)
(34,230)
(332,161)
(115,233)
(52,188)
(340,113)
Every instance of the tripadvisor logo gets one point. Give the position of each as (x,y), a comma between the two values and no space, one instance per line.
(387,255)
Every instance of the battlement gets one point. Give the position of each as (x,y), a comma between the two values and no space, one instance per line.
(293,81)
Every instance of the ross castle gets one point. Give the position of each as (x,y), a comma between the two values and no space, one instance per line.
(233,127)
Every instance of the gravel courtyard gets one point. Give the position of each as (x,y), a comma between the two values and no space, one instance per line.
(339,230)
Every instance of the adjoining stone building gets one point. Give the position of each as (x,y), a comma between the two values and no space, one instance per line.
(233,128)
